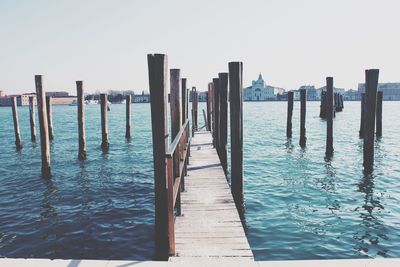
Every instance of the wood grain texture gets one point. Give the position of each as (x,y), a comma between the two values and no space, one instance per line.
(210,225)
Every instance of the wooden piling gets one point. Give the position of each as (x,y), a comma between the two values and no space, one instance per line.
(329,117)
(209,107)
(176,114)
(236,124)
(362,121)
(32,118)
(194,110)
(303,99)
(81,120)
(49,106)
(223,118)
(371,86)
(289,115)
(183,97)
(157,67)
(43,125)
(379,114)
(216,113)
(322,112)
(17,132)
(128,116)
(104,128)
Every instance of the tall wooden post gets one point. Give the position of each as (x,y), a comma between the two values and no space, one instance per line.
(236,123)
(18,143)
(303,99)
(32,118)
(289,115)
(157,66)
(329,117)
(223,103)
(49,107)
(81,120)
(209,106)
(183,97)
(371,86)
(44,128)
(176,121)
(196,108)
(128,117)
(363,110)
(216,113)
(379,114)
(104,128)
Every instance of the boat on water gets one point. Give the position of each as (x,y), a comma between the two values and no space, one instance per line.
(74,103)
(91,102)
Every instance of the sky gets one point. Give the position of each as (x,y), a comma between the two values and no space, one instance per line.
(105,43)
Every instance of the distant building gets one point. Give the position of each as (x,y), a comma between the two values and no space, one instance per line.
(312,93)
(391,91)
(352,95)
(259,91)
(57,94)
(22,100)
(202,96)
(143,98)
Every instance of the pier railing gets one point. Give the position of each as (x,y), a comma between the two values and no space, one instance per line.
(177,158)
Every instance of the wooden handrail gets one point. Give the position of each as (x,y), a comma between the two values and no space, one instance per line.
(176,159)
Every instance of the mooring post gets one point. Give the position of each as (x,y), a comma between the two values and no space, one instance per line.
(43,125)
(104,128)
(379,114)
(183,97)
(157,66)
(362,121)
(303,99)
(236,124)
(223,104)
(209,107)
(329,117)
(322,112)
(289,115)
(18,143)
(32,118)
(176,122)
(371,86)
(81,120)
(49,107)
(128,117)
(216,113)
(194,110)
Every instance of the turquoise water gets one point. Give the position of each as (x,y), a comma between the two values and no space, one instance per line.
(298,206)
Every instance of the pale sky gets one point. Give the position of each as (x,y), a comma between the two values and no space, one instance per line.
(105,43)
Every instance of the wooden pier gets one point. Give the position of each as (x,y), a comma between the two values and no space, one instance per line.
(209,226)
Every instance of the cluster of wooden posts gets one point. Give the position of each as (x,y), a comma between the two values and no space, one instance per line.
(44,105)
(171,160)
(371,108)
(337,106)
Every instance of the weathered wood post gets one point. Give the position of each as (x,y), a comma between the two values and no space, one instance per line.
(128,117)
(194,110)
(329,117)
(17,132)
(81,120)
(44,128)
(236,124)
(32,118)
(289,115)
(157,67)
(209,107)
(379,114)
(223,103)
(362,121)
(176,121)
(303,99)
(104,128)
(49,107)
(371,86)
(322,112)
(183,97)
(216,113)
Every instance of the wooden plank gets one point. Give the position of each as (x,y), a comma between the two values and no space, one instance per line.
(210,226)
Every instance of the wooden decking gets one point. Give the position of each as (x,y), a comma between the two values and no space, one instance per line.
(210,226)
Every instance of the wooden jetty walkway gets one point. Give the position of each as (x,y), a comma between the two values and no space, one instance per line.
(209,225)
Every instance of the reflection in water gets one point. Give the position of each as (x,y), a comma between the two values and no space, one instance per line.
(369,213)
(289,145)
